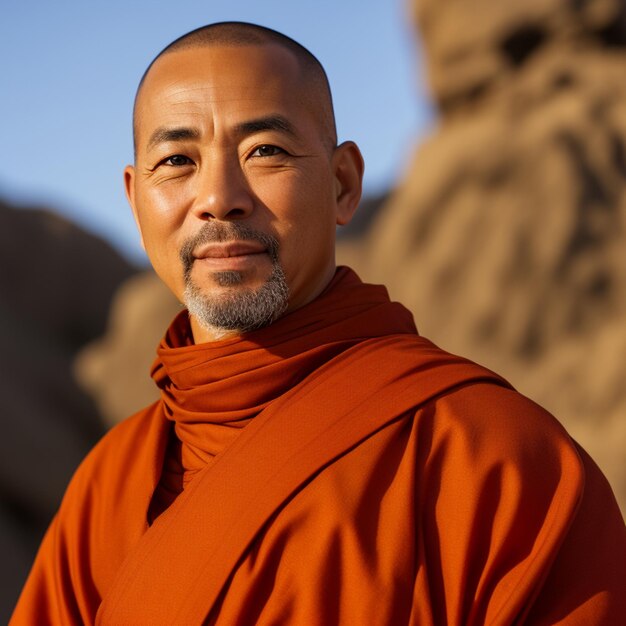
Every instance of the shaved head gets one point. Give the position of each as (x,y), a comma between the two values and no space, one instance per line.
(239,34)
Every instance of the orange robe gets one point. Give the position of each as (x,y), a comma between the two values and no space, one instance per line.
(334,468)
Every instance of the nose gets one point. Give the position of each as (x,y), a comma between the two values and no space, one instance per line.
(222,191)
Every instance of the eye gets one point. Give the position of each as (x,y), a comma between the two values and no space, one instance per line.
(267,150)
(176,160)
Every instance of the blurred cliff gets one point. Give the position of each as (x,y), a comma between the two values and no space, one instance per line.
(57,282)
(507,235)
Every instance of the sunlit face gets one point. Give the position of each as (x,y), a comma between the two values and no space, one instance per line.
(234,177)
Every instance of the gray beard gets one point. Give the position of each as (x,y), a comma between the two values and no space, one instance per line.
(238,309)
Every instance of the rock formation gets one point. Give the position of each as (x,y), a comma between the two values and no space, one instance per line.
(115,369)
(56,283)
(508,236)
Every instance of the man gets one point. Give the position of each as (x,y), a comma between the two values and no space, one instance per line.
(312,460)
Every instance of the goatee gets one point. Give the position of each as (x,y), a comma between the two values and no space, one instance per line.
(239,309)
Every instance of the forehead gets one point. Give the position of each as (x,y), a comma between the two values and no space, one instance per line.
(217,77)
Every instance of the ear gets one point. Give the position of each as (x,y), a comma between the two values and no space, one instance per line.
(348,169)
(129,187)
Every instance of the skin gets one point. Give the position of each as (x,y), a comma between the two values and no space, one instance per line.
(281,179)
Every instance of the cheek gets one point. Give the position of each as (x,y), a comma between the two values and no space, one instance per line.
(165,205)
(156,239)
(160,229)
(160,213)
(287,192)
(313,218)
(307,240)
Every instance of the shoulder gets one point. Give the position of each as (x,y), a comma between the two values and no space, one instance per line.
(107,497)
(472,432)
(484,449)
(475,405)
(120,444)
(110,491)
(499,414)
(125,459)
(490,429)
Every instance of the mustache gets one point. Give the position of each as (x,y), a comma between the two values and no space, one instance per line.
(212,232)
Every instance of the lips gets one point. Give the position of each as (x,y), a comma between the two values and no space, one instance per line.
(227,249)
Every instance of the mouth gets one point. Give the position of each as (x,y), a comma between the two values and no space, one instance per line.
(229,249)
(218,247)
(230,255)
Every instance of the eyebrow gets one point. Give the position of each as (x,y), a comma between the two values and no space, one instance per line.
(270,122)
(164,134)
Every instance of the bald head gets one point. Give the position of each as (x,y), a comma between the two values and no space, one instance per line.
(241,34)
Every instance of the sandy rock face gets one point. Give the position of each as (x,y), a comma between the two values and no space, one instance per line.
(115,369)
(508,237)
(472,45)
(56,282)
(517,211)
(57,276)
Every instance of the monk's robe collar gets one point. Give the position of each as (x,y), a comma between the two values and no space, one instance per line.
(211,390)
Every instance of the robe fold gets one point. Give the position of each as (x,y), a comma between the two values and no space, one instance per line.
(333,468)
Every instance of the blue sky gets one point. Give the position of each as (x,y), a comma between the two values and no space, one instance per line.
(69,72)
